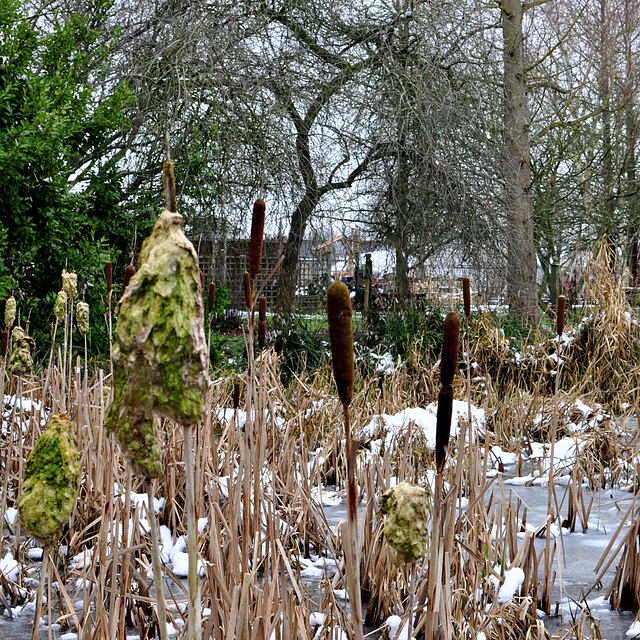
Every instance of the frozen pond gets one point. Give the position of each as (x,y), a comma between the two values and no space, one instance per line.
(582,551)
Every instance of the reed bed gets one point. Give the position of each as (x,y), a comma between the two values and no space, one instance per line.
(261,458)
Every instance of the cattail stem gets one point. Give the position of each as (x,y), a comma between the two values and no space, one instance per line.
(195,614)
(109,279)
(35,631)
(351,551)
(157,563)
(68,400)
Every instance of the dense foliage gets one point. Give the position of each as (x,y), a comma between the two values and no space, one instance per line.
(60,193)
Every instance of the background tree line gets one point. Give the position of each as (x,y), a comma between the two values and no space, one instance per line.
(502,133)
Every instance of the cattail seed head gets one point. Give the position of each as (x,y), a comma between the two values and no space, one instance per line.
(262,333)
(5,342)
(341,339)
(21,358)
(108,275)
(466,295)
(451,338)
(211,301)
(10,308)
(60,305)
(257,233)
(47,493)
(406,523)
(129,272)
(237,389)
(561,314)
(70,284)
(246,285)
(82,317)
(443,425)
(169,182)
(262,308)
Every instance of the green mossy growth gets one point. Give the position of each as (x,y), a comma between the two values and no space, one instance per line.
(21,358)
(82,317)
(406,522)
(159,357)
(60,305)
(10,309)
(48,492)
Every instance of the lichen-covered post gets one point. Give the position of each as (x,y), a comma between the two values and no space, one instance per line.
(160,368)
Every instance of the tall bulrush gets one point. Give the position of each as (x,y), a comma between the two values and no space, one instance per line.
(253,452)
(70,287)
(438,612)
(211,305)
(108,278)
(341,338)
(82,320)
(164,375)
(262,322)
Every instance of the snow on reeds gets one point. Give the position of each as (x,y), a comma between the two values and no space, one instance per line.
(270,461)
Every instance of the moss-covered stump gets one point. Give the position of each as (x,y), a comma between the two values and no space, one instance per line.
(159,356)
(48,492)
(406,523)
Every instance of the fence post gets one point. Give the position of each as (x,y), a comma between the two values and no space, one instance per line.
(327,267)
(367,287)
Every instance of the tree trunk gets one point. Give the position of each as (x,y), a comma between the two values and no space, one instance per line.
(521,256)
(288,276)
(607,223)
(402,272)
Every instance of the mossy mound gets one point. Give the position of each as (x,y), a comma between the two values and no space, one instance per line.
(406,524)
(48,492)
(160,352)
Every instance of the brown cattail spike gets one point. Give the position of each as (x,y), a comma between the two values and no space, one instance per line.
(262,308)
(236,394)
(262,333)
(451,338)
(5,342)
(108,275)
(466,295)
(129,272)
(246,285)
(443,425)
(341,338)
(211,302)
(257,233)
(169,182)
(561,313)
